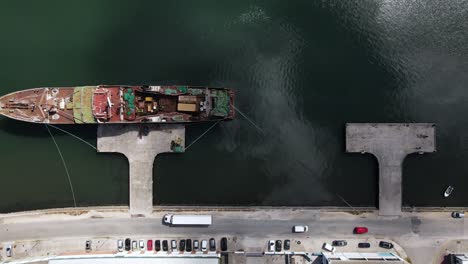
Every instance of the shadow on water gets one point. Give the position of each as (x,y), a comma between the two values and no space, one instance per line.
(23,129)
(33,167)
(31,130)
(206,175)
(370,165)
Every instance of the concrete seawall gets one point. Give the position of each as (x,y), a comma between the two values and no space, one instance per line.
(121,209)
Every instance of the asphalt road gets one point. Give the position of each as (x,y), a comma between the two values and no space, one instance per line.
(239,224)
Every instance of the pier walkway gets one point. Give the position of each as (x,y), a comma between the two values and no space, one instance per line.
(390,143)
(141,144)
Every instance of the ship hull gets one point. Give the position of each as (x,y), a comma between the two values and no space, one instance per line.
(116,104)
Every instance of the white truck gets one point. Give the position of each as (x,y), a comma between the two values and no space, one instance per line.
(193,220)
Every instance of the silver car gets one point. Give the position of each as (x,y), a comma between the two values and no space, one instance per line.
(271,245)
(8,251)
(120,245)
(328,247)
(458,214)
(174,245)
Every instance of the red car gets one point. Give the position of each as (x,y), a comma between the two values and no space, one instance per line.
(360,230)
(149,245)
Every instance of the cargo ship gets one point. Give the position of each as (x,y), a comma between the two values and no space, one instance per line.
(110,104)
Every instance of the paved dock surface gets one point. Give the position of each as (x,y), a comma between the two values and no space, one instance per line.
(390,143)
(140,145)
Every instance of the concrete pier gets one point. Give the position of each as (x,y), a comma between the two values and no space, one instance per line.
(390,143)
(141,144)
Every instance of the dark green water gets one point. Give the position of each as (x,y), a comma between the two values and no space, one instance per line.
(301,69)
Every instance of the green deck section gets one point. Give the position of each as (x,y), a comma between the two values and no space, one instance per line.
(129,97)
(182,89)
(193,91)
(83,105)
(221,103)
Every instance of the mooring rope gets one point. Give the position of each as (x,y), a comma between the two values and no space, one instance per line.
(346,202)
(248,119)
(82,140)
(193,142)
(64,164)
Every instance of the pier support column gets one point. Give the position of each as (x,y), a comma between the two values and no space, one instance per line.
(141,144)
(390,143)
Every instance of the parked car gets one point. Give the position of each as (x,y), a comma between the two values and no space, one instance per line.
(8,251)
(328,247)
(128,244)
(157,245)
(196,245)
(174,245)
(188,245)
(384,244)
(458,214)
(287,244)
(223,244)
(164,246)
(363,245)
(88,245)
(149,245)
(300,229)
(278,245)
(204,245)
(142,244)
(339,243)
(271,245)
(182,245)
(134,245)
(360,230)
(120,245)
(212,244)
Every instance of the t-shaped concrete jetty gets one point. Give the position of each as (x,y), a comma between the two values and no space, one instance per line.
(141,144)
(390,143)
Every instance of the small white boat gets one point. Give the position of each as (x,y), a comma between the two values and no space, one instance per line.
(448,191)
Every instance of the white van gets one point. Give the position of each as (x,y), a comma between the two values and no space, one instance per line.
(300,228)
